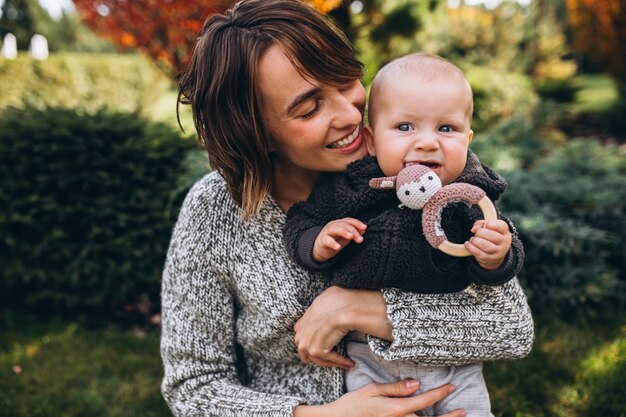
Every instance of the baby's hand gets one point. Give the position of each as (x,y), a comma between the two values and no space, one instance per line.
(335,236)
(490,244)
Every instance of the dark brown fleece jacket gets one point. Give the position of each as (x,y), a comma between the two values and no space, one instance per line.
(394,252)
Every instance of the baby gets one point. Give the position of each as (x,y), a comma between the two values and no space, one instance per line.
(420,111)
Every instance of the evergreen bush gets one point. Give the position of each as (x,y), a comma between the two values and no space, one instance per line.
(86,207)
(570,213)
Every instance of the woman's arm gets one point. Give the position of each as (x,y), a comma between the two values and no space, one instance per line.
(480,323)
(198,334)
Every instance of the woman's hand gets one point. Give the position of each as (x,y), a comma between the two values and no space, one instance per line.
(381,400)
(331,316)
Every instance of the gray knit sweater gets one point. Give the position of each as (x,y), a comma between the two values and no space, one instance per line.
(231,295)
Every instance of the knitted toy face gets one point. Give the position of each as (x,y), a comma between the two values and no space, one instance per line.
(415,185)
(419,188)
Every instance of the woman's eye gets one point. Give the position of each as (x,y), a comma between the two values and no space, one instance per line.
(310,114)
(446,129)
(405,127)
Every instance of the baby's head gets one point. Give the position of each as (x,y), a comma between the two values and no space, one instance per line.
(420,110)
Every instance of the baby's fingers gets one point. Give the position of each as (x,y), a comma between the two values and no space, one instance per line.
(478,224)
(357,224)
(330,242)
(346,231)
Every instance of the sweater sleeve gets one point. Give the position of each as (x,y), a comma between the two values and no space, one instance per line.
(481,323)
(198,342)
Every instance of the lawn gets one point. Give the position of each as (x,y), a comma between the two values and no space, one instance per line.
(62,369)
(577,369)
(53,367)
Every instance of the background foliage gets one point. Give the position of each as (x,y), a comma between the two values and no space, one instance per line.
(571,214)
(127,83)
(86,204)
(166,30)
(24,18)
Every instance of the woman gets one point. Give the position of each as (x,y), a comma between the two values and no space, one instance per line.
(277,101)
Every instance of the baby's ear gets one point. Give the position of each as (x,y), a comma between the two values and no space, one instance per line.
(383,183)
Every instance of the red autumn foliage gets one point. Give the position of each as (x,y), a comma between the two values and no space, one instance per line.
(165,29)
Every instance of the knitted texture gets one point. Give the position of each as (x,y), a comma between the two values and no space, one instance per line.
(394,251)
(231,296)
(415,185)
(431,214)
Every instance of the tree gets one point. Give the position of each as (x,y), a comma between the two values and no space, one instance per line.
(599,29)
(24,18)
(165,29)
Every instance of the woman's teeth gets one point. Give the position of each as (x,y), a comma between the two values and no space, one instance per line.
(347,141)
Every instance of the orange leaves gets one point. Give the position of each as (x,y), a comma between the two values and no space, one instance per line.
(599,28)
(127,40)
(325,6)
(165,29)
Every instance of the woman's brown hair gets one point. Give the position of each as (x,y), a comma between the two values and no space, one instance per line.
(221,84)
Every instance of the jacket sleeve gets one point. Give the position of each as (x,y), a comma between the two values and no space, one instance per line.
(305,220)
(198,321)
(481,323)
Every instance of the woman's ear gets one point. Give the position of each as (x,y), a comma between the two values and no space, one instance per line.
(369,140)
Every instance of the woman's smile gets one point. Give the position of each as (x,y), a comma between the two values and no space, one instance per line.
(350,143)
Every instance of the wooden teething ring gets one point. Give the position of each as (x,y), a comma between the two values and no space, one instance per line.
(431,215)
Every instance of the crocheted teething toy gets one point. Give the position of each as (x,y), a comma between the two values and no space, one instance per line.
(418,187)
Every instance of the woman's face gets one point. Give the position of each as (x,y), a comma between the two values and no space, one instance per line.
(313,126)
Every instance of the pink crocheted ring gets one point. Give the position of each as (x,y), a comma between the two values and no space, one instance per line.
(431,214)
(418,187)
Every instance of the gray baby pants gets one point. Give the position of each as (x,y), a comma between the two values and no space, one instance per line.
(471,392)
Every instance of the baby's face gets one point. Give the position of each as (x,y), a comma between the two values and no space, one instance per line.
(427,122)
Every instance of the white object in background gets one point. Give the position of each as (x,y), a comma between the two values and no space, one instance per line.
(9,47)
(38,47)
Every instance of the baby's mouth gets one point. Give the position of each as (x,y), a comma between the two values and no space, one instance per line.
(429,164)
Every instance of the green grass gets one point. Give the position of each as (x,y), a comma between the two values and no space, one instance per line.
(70,371)
(577,369)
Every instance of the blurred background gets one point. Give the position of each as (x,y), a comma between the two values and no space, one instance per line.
(94,167)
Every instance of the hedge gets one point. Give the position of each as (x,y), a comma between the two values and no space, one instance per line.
(86,81)
(570,211)
(86,207)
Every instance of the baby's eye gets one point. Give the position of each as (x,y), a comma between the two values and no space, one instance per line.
(405,127)
(446,129)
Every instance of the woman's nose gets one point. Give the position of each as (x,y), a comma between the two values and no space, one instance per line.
(349,105)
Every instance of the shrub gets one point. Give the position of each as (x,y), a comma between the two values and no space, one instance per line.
(499,96)
(87,81)
(570,213)
(562,90)
(521,140)
(85,220)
